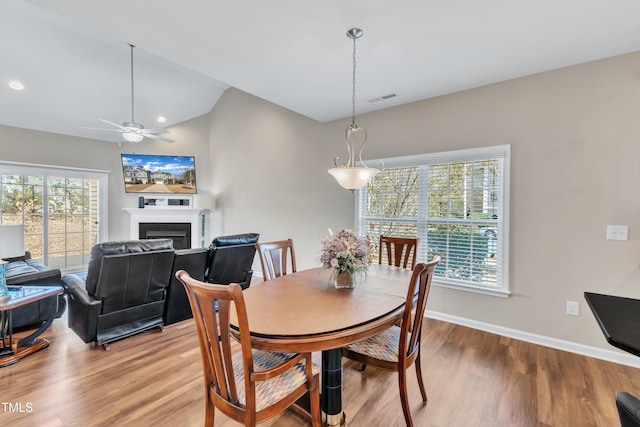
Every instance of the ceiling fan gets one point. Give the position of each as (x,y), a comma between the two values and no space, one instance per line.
(131,131)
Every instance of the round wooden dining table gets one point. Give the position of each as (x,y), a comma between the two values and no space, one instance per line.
(301,312)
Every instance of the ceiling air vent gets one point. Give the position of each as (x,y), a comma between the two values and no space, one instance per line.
(383,97)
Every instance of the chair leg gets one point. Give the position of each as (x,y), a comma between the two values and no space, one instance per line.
(404,398)
(419,375)
(363,367)
(314,403)
(210,412)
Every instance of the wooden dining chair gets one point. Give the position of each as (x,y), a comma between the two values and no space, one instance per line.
(399,250)
(274,258)
(250,385)
(398,347)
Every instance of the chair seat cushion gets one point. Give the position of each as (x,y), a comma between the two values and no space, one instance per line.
(383,346)
(270,391)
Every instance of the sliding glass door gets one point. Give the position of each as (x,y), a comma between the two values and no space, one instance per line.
(62,210)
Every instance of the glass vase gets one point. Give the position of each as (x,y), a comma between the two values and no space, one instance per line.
(342,279)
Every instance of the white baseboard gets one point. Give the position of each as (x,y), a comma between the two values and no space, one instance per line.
(585,350)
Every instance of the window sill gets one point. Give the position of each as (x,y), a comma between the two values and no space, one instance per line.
(475,289)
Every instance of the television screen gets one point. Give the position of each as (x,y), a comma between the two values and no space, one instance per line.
(148,173)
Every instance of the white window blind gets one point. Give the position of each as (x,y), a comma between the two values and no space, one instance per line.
(456,203)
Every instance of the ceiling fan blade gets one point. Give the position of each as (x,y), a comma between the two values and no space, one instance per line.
(112,130)
(156,131)
(159,138)
(113,124)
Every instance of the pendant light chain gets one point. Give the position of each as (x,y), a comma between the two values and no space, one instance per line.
(353,96)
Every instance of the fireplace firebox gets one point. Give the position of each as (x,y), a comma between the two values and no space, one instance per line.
(180,232)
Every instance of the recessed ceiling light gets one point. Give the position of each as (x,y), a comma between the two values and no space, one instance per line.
(161,119)
(16,85)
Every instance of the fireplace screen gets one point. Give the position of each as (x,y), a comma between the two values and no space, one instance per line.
(180,232)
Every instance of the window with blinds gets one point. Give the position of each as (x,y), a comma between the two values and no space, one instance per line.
(456,203)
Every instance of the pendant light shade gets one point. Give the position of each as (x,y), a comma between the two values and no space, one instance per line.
(348,175)
(353,178)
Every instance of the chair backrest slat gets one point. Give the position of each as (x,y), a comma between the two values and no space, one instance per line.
(400,250)
(274,258)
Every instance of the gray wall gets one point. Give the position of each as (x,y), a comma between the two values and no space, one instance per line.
(29,146)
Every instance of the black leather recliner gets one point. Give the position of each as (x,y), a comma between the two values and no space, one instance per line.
(124,292)
(194,262)
(228,260)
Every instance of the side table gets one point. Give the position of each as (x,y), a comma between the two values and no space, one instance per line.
(11,353)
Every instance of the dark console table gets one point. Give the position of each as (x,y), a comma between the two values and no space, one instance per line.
(619,319)
(11,353)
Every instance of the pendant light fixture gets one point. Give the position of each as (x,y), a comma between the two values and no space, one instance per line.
(349,175)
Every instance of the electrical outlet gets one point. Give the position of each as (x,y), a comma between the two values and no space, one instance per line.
(617,232)
(573,308)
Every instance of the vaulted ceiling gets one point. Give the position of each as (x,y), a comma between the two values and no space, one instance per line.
(73,56)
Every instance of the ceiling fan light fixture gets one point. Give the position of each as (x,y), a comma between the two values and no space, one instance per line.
(132,131)
(130,136)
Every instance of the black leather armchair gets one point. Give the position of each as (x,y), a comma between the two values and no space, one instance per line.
(628,409)
(124,292)
(230,259)
(193,261)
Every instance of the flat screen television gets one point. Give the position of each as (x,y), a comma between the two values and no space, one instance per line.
(149,173)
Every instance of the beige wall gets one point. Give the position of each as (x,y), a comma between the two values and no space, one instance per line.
(269,169)
(575,143)
(575,140)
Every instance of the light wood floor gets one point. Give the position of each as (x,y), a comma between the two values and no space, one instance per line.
(473,378)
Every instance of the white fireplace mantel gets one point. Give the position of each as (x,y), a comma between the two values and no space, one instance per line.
(168,215)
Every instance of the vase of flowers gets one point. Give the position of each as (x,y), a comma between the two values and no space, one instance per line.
(346,255)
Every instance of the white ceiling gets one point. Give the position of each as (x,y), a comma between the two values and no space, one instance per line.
(73,57)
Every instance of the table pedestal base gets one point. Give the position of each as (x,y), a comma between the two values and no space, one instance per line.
(333,420)
(23,351)
(331,393)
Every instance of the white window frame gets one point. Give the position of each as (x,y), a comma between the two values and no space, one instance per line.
(500,151)
(17,168)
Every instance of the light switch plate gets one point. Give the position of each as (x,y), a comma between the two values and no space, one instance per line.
(617,232)
(573,308)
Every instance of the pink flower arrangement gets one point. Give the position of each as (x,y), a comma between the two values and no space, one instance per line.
(345,252)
